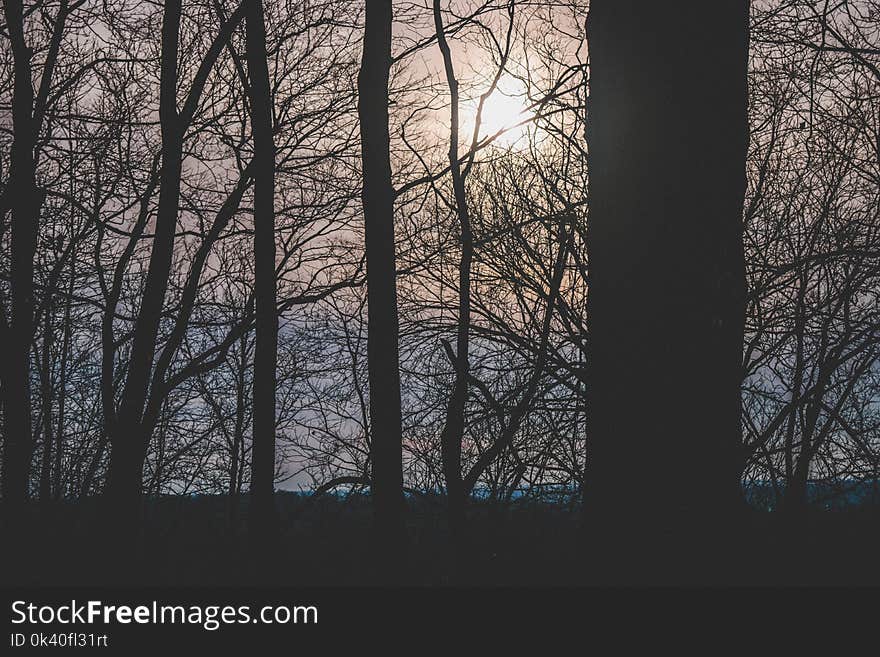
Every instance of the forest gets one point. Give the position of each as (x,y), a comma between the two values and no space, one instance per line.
(440,290)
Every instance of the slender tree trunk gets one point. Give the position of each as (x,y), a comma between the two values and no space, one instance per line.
(161,442)
(91,472)
(668,139)
(795,499)
(58,493)
(797,385)
(266,350)
(240,416)
(453,427)
(236,465)
(382,340)
(24,199)
(46,402)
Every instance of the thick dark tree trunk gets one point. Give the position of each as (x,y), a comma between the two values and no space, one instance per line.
(668,139)
(263,518)
(382,342)
(24,199)
(123,490)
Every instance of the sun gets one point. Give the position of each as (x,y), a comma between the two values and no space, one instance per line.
(505,117)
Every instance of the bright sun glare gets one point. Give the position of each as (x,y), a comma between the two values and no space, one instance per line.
(502,113)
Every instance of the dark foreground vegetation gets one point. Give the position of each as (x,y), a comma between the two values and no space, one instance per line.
(202,540)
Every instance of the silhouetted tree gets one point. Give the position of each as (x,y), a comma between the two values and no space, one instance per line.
(382,344)
(24,198)
(266,348)
(811,346)
(453,426)
(668,136)
(130,427)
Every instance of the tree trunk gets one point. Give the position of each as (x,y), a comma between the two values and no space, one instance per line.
(24,199)
(263,519)
(137,412)
(668,137)
(236,455)
(795,498)
(453,428)
(124,485)
(382,341)
(45,490)
(122,493)
(57,487)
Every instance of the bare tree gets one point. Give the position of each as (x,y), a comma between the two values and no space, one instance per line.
(382,347)
(266,348)
(130,426)
(811,346)
(24,198)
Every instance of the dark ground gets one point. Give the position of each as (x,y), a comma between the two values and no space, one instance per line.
(325,541)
